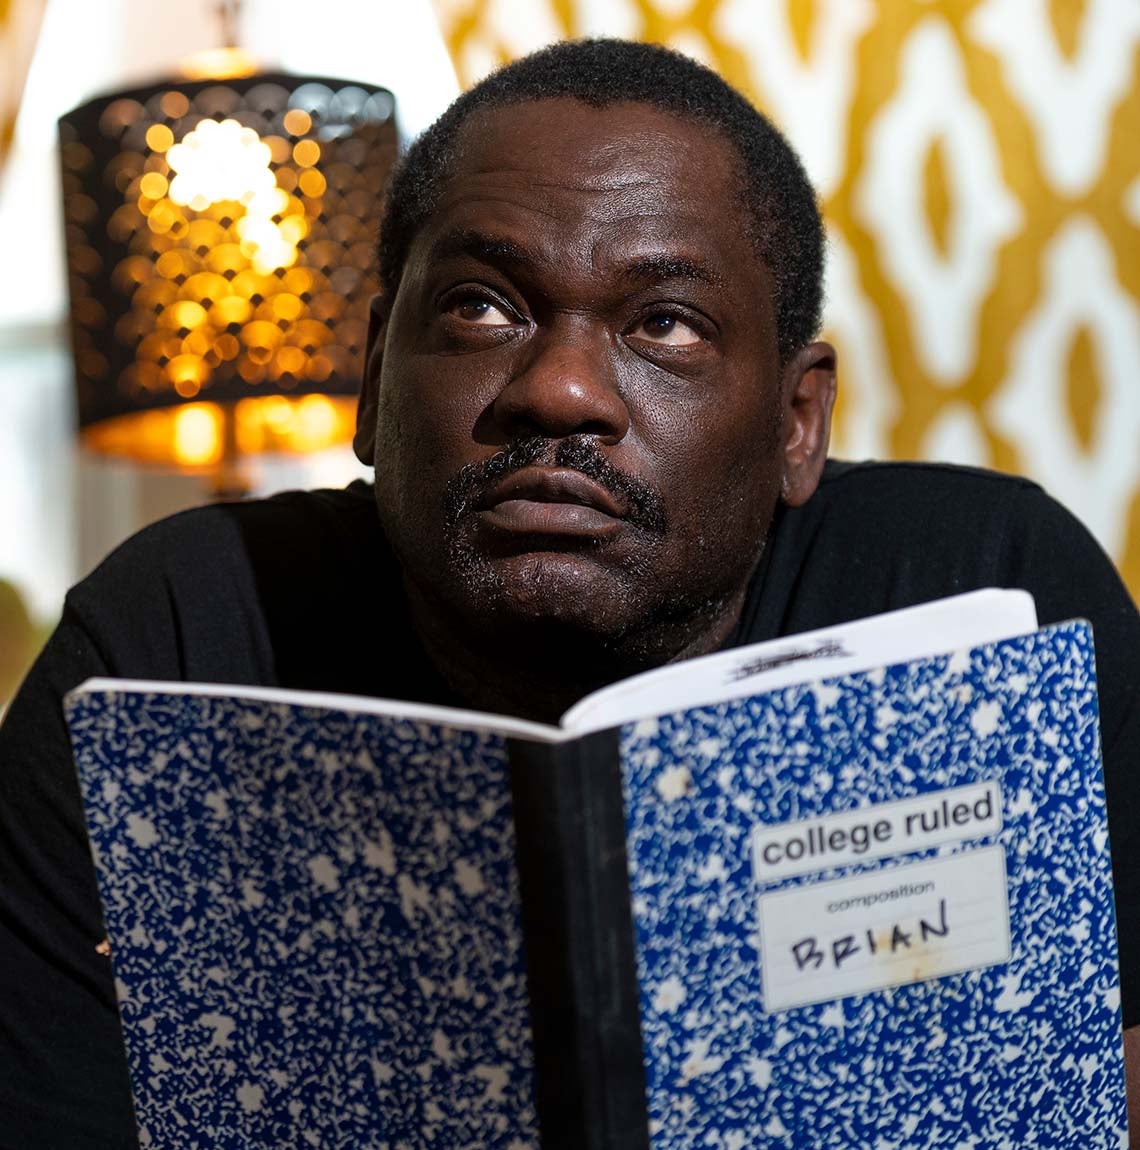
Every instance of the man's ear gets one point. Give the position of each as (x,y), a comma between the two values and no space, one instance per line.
(367,406)
(809,395)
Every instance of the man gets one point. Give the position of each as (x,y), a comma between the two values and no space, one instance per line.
(599,418)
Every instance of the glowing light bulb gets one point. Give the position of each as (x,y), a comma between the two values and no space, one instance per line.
(197,439)
(219,161)
(226,161)
(317,419)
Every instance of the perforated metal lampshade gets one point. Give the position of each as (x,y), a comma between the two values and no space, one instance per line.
(221,240)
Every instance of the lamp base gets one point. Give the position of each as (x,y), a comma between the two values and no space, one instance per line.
(201,436)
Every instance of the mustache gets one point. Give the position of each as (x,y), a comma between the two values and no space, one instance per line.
(644,507)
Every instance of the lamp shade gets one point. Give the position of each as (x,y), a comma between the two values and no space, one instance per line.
(221,240)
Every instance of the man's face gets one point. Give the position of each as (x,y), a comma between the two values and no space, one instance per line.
(576,407)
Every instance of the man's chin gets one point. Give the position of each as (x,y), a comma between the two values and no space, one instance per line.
(577,606)
(572,589)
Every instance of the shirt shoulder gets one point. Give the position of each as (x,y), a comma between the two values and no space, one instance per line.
(900,533)
(907,484)
(221,593)
(227,531)
(879,536)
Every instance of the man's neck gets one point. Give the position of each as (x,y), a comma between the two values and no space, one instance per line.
(537,671)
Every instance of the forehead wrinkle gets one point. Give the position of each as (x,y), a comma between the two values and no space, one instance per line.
(581,177)
(608,161)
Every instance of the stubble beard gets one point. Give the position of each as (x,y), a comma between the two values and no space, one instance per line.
(634,622)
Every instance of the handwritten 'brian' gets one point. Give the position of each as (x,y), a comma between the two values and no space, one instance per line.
(811,952)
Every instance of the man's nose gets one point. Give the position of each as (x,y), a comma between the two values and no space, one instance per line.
(566,385)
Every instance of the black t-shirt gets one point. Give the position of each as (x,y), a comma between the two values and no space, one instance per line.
(301,591)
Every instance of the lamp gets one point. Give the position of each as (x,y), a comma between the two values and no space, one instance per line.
(220,239)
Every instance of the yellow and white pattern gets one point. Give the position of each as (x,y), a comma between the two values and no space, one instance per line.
(979,167)
(19,26)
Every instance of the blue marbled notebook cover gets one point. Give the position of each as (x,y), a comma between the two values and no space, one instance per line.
(1025,1053)
(316,923)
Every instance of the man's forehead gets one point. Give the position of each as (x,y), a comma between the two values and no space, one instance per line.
(617,145)
(647,188)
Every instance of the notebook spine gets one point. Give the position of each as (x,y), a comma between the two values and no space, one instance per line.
(578,930)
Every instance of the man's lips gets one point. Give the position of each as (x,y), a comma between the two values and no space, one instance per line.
(550,501)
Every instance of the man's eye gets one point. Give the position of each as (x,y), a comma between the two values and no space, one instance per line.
(667,329)
(476,309)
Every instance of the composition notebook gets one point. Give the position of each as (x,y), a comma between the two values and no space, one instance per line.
(847,889)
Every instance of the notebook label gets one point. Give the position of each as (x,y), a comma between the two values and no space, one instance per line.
(905,826)
(830,940)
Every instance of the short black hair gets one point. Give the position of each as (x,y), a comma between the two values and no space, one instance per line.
(788,232)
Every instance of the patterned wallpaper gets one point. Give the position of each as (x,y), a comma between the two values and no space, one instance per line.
(19,25)
(979,167)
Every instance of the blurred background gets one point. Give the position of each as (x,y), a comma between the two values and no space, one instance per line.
(165,341)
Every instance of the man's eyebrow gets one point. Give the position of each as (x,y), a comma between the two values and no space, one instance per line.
(670,267)
(480,246)
(492,249)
